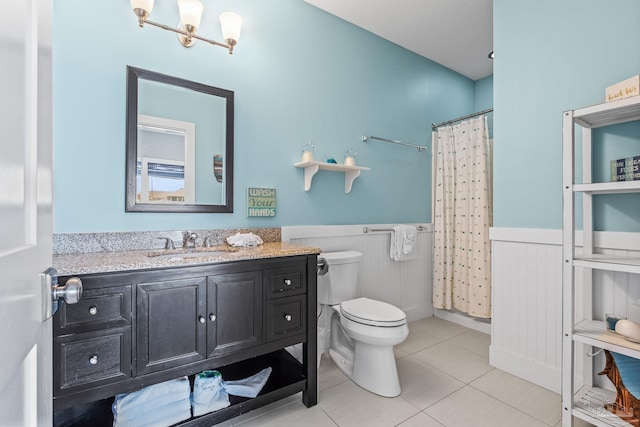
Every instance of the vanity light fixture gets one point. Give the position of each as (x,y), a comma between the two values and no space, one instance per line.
(190,16)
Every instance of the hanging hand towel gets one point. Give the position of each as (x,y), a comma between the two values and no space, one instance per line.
(403,243)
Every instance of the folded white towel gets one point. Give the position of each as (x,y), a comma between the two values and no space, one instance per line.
(403,243)
(244,239)
(248,387)
(163,416)
(158,405)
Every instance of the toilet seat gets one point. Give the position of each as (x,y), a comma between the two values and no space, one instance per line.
(373,313)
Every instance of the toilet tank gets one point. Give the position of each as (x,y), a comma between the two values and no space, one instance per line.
(339,283)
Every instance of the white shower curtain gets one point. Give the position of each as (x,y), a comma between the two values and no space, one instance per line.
(462,217)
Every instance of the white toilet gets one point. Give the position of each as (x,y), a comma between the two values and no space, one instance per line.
(363,331)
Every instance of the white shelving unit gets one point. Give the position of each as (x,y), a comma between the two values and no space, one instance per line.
(587,402)
(312,167)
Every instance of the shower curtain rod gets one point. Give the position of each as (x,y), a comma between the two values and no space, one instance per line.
(419,147)
(435,126)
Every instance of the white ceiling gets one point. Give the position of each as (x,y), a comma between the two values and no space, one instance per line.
(455,33)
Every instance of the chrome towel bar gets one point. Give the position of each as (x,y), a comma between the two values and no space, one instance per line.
(366,230)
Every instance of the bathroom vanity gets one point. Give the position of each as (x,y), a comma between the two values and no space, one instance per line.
(144,320)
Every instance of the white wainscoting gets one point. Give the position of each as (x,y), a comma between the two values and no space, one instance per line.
(405,284)
(526,327)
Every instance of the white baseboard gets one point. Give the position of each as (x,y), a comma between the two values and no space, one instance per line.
(543,375)
(418,312)
(461,319)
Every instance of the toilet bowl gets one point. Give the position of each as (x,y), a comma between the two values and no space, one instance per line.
(363,331)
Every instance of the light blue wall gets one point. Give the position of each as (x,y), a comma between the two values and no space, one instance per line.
(484,98)
(553,56)
(298,74)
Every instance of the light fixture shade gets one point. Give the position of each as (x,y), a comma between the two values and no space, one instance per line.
(146,5)
(190,12)
(231,24)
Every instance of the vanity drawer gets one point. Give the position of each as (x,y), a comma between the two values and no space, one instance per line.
(90,359)
(97,308)
(290,280)
(286,316)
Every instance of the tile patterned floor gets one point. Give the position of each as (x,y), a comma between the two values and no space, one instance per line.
(446,381)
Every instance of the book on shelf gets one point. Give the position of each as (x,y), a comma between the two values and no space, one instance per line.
(627,169)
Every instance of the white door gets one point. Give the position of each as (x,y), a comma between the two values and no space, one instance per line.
(25,211)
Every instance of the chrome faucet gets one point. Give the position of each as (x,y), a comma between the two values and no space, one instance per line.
(168,244)
(207,242)
(189,240)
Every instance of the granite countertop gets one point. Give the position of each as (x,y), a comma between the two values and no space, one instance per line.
(103,262)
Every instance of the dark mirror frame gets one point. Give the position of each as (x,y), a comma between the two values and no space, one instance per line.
(133,76)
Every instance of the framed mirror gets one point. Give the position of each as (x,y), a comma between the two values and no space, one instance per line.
(179,145)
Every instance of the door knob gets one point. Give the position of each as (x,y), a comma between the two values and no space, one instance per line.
(212,317)
(52,293)
(287,317)
(70,292)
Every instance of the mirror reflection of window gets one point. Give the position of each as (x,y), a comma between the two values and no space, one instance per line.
(166,154)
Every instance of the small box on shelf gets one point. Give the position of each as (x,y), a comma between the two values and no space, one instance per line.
(624,89)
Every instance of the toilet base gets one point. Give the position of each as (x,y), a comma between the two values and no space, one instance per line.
(375,369)
(344,364)
(372,367)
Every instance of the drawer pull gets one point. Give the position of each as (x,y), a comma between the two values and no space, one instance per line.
(93,360)
(287,282)
(201,319)
(93,310)
(212,317)
(288,317)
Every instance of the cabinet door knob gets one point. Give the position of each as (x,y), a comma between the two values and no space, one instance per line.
(287,282)
(201,319)
(93,360)
(212,317)
(93,310)
(287,317)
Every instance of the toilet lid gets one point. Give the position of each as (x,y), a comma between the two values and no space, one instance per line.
(372,312)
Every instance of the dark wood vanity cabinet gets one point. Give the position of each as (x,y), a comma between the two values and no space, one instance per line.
(168,330)
(136,328)
(234,312)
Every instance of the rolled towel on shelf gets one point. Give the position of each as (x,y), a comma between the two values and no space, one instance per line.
(208,393)
(211,392)
(404,240)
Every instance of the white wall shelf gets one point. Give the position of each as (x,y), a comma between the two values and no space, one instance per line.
(578,295)
(312,167)
(608,187)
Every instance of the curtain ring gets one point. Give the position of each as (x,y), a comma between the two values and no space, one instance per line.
(589,354)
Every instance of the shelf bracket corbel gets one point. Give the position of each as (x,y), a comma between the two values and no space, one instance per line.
(309,172)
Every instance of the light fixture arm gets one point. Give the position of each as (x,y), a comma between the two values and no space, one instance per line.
(186,40)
